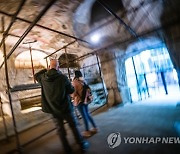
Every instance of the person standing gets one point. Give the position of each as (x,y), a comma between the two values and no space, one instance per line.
(55,91)
(80,98)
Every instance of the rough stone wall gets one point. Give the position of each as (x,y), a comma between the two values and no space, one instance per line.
(16,77)
(90,69)
(121,73)
(108,67)
(23,120)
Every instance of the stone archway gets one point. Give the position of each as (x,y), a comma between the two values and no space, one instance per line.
(23,60)
(149,69)
(67,60)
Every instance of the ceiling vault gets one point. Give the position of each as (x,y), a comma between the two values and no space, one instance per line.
(44,27)
(29,28)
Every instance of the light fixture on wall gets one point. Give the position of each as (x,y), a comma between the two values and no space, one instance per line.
(95,38)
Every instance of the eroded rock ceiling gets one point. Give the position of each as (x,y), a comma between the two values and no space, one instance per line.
(77,18)
(58,18)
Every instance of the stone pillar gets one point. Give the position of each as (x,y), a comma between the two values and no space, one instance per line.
(6,106)
(122,80)
(108,67)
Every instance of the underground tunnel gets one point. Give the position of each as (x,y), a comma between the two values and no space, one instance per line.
(128,54)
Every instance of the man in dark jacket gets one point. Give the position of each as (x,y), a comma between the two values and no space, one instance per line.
(55,90)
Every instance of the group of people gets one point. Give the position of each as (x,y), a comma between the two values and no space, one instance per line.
(57,93)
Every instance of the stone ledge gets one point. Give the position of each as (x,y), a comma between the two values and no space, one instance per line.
(24,121)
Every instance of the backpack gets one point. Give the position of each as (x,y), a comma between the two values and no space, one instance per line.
(87,96)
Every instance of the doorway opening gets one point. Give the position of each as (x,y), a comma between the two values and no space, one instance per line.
(150,74)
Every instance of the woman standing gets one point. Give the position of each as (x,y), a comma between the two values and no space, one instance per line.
(80,102)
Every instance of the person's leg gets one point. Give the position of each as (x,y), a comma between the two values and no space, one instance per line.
(82,110)
(76,115)
(62,134)
(72,123)
(89,116)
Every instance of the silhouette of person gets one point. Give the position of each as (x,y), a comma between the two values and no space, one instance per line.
(79,102)
(55,90)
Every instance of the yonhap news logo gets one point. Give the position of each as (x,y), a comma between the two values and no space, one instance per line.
(115,139)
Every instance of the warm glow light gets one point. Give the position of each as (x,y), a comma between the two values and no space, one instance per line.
(36,55)
(30,110)
(23,60)
(95,38)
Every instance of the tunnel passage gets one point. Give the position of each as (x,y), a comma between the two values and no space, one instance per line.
(56,26)
(151,73)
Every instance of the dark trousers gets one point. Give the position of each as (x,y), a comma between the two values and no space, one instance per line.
(69,117)
(83,109)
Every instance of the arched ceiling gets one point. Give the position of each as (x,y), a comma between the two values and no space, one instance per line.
(23,60)
(99,13)
(57,20)
(77,18)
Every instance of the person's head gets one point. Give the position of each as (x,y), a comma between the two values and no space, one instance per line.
(78,74)
(54,64)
